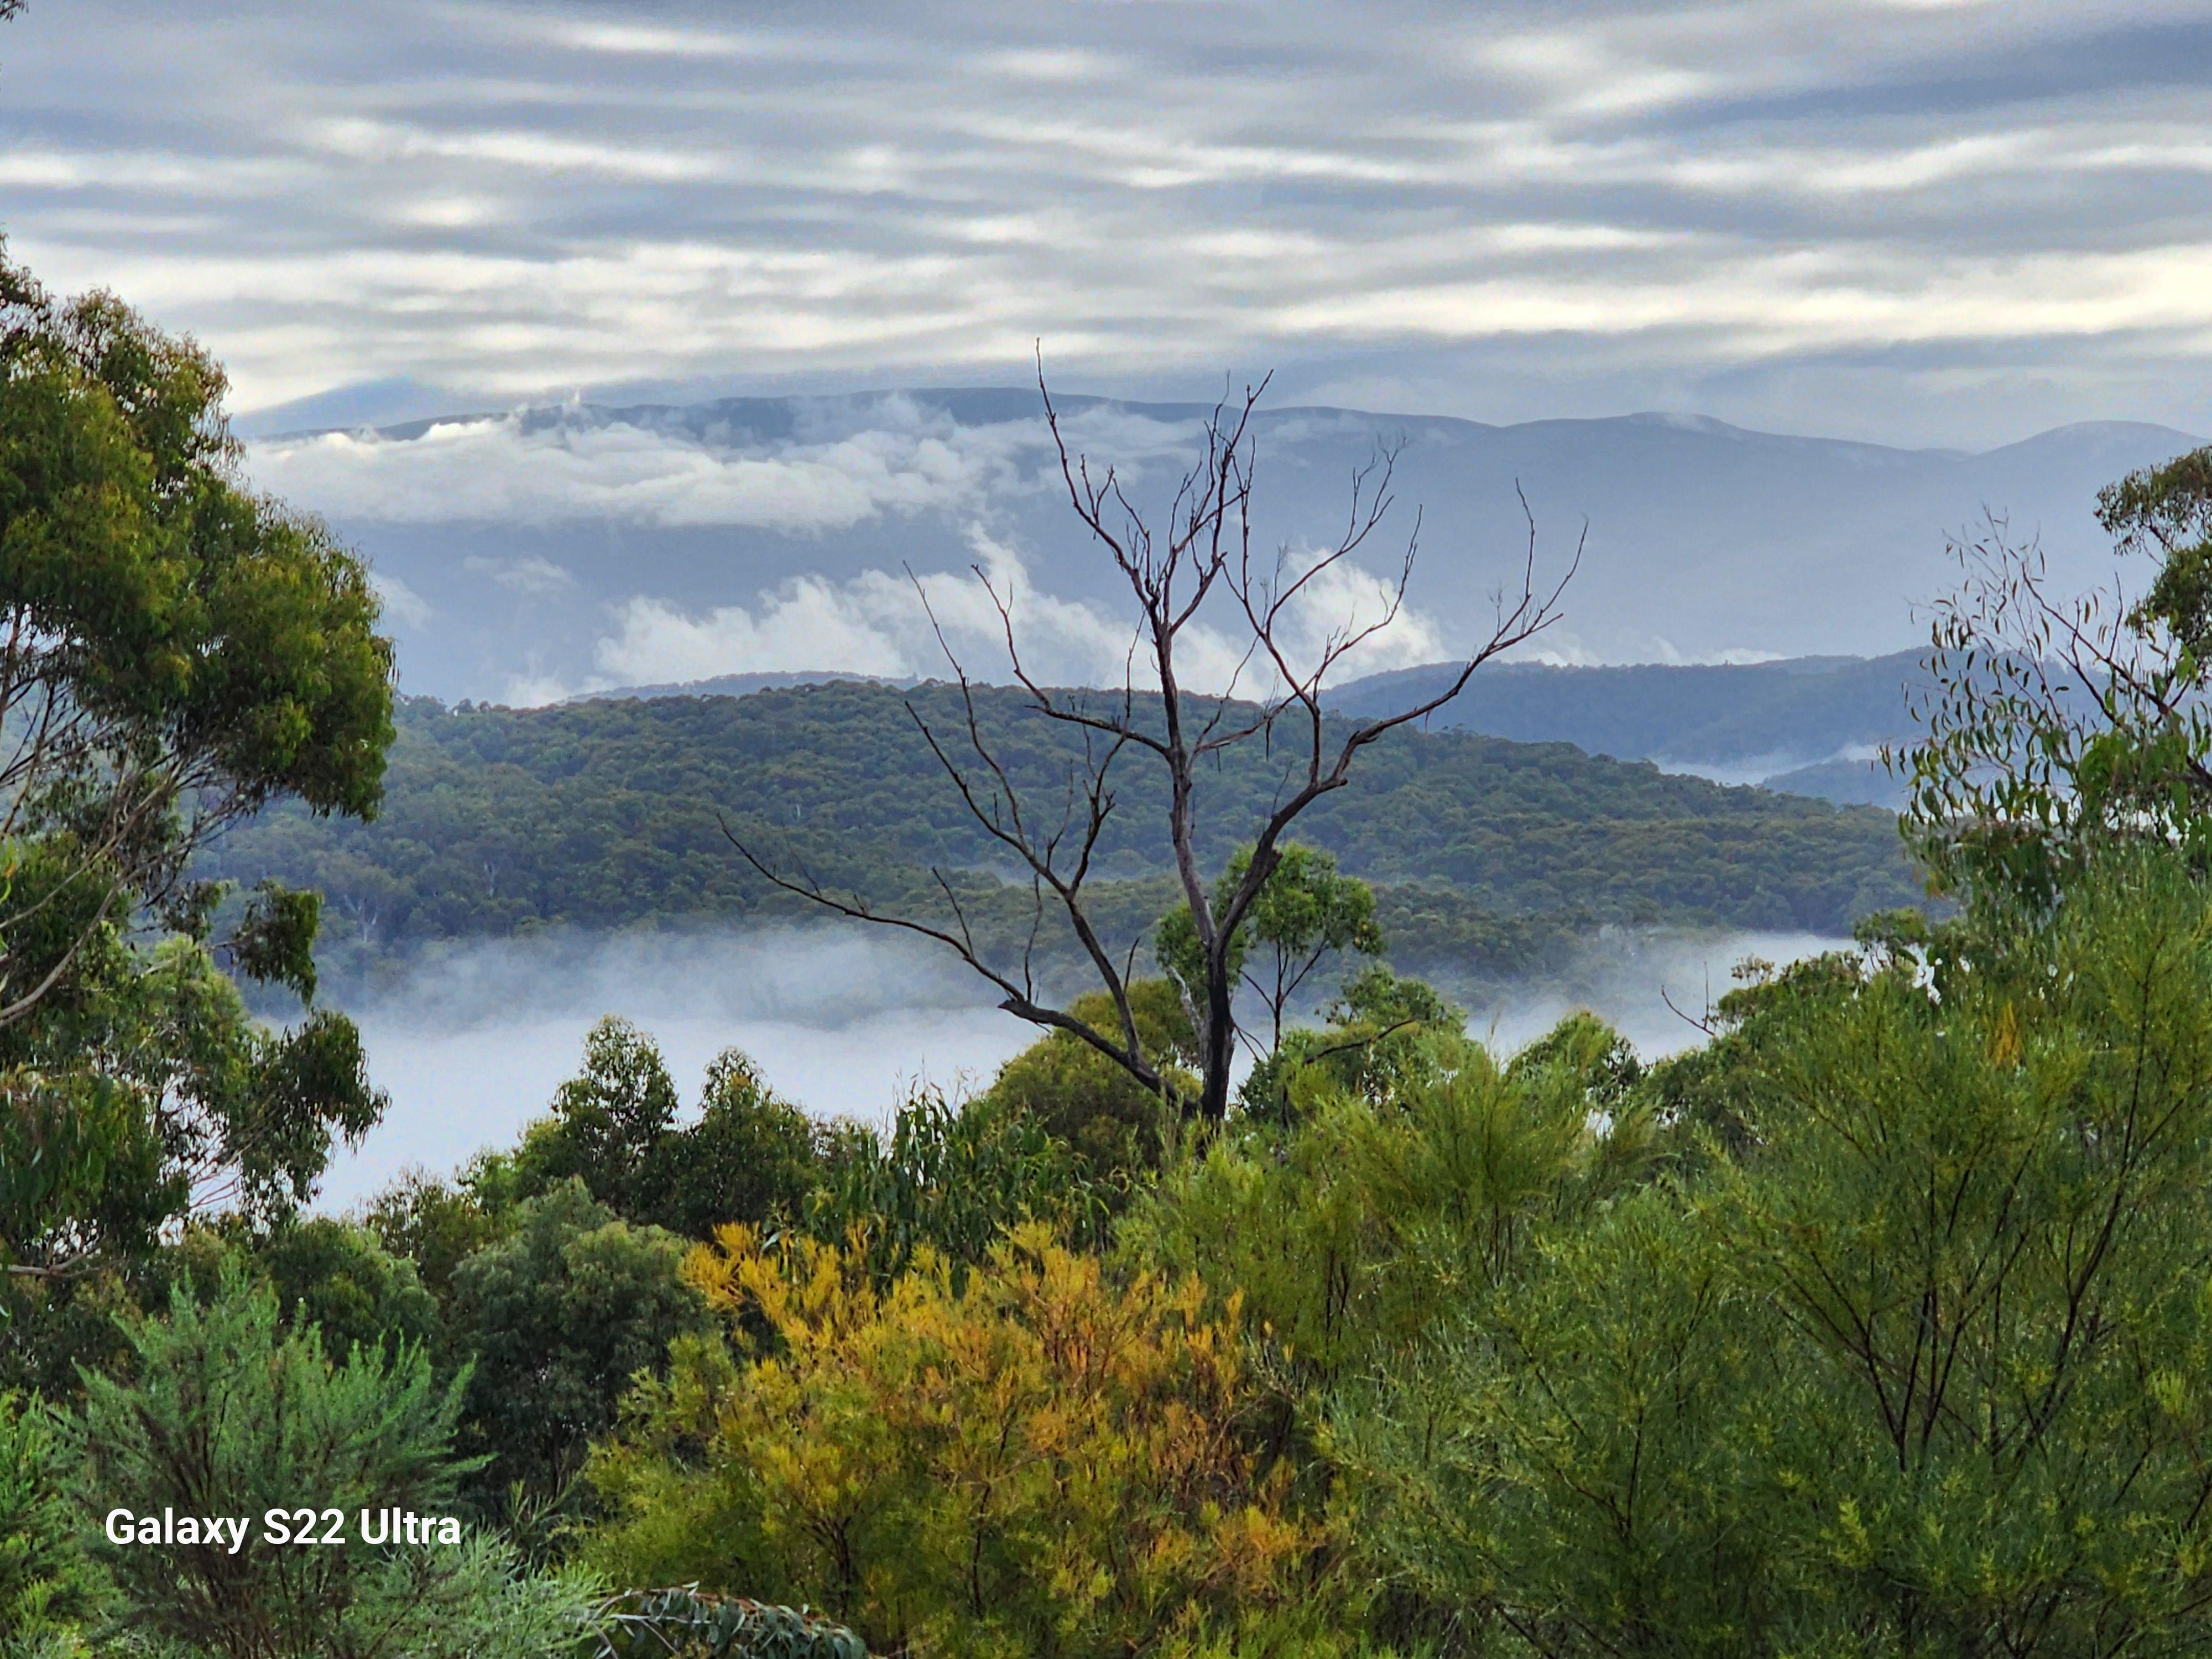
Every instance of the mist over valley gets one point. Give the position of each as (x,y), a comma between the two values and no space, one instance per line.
(718,610)
(471,1043)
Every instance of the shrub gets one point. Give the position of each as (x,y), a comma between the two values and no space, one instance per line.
(46,1587)
(1917,1359)
(686,1623)
(952,1181)
(1047,1460)
(229,1413)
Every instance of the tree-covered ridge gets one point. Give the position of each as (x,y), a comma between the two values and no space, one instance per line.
(608,813)
(1808,707)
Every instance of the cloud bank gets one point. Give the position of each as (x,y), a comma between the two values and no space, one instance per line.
(900,626)
(493,470)
(1945,223)
(887,456)
(850,463)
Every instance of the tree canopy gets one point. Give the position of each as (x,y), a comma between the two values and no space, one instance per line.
(176,651)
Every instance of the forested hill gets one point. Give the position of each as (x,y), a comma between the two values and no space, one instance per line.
(604,814)
(1766,719)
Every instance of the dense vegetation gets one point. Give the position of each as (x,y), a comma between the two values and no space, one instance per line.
(1879,1325)
(603,814)
(1808,707)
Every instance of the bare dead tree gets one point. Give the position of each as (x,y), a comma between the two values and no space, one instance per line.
(1203,553)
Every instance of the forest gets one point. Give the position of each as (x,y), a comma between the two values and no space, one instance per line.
(1809,708)
(1879,1323)
(1490,858)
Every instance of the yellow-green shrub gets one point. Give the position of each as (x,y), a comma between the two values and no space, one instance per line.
(1049,1461)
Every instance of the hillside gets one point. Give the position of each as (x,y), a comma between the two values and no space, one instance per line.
(1800,710)
(603,814)
(1806,725)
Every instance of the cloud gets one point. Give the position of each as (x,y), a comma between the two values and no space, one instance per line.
(400,600)
(890,625)
(533,575)
(860,460)
(1748,208)
(535,691)
(503,468)
(541,152)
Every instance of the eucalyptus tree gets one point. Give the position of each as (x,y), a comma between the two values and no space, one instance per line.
(2061,723)
(176,650)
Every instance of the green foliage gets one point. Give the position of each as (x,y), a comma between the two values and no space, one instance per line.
(341,1279)
(2168,511)
(1712,1092)
(953,1181)
(275,941)
(603,814)
(1116,1128)
(46,1587)
(2058,728)
(687,1624)
(185,651)
(436,1225)
(333,1275)
(1582,1469)
(606,1120)
(1586,1053)
(1353,1235)
(143,1089)
(1305,913)
(749,1156)
(559,1317)
(1922,1368)
(55,1326)
(188,650)
(227,1413)
(1382,1032)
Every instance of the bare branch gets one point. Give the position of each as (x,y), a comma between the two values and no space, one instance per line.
(1017,999)
(1201,552)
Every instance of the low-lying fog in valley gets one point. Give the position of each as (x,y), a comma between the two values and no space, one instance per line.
(472,1044)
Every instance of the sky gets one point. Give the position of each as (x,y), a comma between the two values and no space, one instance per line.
(1910,221)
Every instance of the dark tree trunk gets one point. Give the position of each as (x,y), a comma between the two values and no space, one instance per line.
(1219,1049)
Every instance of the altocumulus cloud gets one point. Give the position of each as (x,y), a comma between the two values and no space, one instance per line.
(1910,221)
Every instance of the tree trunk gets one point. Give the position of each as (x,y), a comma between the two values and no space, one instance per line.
(1219,1049)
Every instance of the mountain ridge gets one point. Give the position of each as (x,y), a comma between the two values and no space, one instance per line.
(277,422)
(1803,726)
(530,554)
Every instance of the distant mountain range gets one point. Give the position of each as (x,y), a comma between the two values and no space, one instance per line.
(530,554)
(1808,725)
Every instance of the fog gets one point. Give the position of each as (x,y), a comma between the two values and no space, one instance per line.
(472,1043)
(1630,979)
